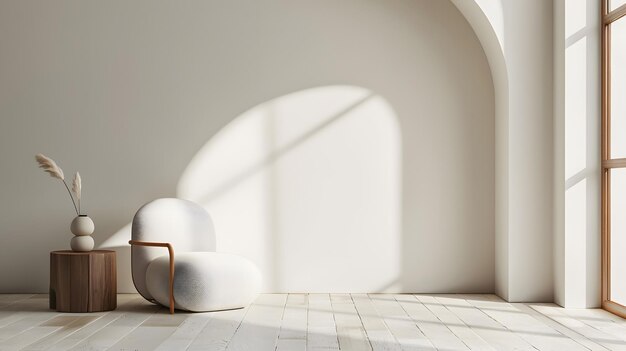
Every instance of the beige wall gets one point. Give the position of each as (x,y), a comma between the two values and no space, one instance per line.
(128,93)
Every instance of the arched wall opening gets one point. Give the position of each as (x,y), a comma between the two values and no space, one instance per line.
(487,20)
(540,241)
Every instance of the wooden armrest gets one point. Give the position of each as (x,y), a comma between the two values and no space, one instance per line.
(170,250)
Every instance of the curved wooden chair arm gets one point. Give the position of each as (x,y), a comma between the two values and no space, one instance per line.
(170,250)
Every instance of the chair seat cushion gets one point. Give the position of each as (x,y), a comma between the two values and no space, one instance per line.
(204,281)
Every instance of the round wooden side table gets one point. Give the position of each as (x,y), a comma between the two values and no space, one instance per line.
(83,281)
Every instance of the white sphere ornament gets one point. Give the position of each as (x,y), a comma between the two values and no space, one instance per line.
(82,225)
(82,243)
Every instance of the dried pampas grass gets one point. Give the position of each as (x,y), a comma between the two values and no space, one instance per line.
(76,188)
(51,167)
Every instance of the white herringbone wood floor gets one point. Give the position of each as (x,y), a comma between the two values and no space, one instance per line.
(314,322)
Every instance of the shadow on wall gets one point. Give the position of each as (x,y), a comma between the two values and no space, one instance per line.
(308,186)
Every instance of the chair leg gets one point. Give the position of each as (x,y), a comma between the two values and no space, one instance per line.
(170,250)
(172,303)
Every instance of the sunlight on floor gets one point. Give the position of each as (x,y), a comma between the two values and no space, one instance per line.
(314,322)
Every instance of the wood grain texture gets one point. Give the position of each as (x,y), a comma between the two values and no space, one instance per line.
(608,162)
(79,280)
(83,281)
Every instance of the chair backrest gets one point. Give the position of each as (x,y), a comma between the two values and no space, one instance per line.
(184,224)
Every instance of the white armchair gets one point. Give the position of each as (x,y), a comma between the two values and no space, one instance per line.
(190,275)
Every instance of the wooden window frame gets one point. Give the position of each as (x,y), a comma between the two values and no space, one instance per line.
(607,162)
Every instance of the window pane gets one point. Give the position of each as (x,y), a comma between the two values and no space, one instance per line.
(613,4)
(618,235)
(618,88)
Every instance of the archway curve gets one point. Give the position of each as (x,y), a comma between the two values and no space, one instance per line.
(486,18)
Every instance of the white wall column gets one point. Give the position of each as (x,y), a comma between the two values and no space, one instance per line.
(577,133)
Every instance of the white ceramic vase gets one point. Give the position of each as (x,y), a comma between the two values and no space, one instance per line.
(82,227)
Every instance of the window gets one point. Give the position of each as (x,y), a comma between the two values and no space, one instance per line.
(614,156)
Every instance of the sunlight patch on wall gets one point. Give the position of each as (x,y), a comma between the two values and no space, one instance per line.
(308,186)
